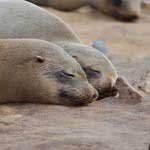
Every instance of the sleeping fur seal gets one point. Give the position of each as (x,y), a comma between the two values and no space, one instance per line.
(40,72)
(126,10)
(20,19)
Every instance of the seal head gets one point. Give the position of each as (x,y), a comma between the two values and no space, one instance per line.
(124,10)
(99,70)
(40,72)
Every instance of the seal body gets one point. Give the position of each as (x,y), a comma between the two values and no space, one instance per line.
(40,72)
(20,19)
(127,10)
(67,5)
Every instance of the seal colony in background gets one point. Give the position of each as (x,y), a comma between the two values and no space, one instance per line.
(21,19)
(125,10)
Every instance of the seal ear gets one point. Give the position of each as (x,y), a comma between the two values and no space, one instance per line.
(100,45)
(39,59)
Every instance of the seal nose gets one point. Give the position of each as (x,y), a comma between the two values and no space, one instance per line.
(91,93)
(95,95)
(127,18)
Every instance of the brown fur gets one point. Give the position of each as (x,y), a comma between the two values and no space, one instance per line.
(126,10)
(40,72)
(46,26)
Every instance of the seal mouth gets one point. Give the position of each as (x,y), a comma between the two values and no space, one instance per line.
(107,93)
(128,18)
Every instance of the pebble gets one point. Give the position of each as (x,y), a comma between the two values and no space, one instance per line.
(127,92)
(101,46)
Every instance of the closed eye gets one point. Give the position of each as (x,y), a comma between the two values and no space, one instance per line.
(61,75)
(67,74)
(64,76)
(92,72)
(96,71)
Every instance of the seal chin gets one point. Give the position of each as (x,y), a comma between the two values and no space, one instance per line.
(126,18)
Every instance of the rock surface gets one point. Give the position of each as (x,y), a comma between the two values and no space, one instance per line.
(127,92)
(104,125)
(144,84)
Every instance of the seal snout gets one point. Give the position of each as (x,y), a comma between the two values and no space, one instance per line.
(106,93)
(90,94)
(95,95)
(127,18)
(132,17)
(105,88)
(126,10)
(75,96)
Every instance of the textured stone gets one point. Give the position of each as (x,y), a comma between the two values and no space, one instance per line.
(127,92)
(144,84)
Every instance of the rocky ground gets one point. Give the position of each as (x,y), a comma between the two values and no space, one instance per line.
(110,124)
